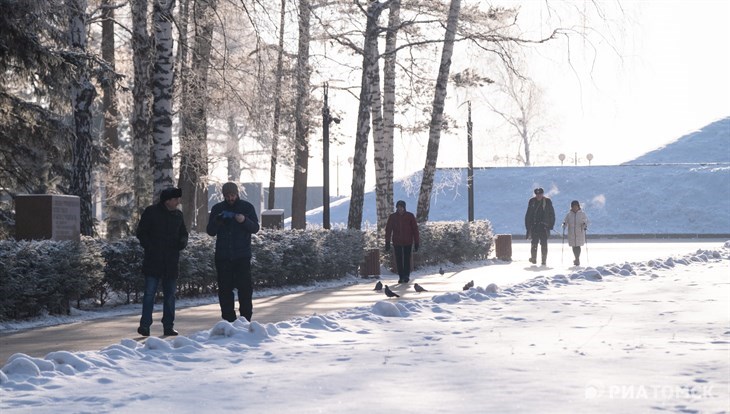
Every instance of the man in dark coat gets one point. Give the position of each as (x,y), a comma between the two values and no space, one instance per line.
(162,234)
(539,220)
(402,229)
(233,221)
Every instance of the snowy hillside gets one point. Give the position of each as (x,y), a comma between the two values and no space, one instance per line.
(682,198)
(710,144)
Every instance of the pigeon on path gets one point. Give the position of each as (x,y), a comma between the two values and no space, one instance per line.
(378,286)
(441,271)
(389,293)
(469,285)
(419,288)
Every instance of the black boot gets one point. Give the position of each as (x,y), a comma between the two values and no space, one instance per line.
(170,332)
(533,254)
(143,331)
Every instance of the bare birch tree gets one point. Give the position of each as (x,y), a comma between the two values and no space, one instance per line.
(162,85)
(277,109)
(142,107)
(370,65)
(434,134)
(83,93)
(385,206)
(522,112)
(116,217)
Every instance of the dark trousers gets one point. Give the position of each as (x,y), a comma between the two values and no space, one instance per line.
(235,274)
(576,252)
(539,235)
(168,304)
(403,262)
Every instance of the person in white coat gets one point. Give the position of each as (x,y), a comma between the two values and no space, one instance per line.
(576,223)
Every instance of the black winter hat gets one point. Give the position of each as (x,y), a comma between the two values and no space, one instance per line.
(170,192)
(539,190)
(400,203)
(229,188)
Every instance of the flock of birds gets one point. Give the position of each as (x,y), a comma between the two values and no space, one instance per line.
(380,287)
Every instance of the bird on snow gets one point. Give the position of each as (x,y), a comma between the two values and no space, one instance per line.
(419,288)
(389,293)
(441,271)
(378,286)
(469,285)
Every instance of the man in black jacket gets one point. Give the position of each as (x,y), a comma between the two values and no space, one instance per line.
(539,220)
(233,221)
(162,234)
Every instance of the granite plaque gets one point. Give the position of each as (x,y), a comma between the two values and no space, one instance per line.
(47,216)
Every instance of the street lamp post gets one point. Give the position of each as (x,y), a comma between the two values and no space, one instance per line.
(326,120)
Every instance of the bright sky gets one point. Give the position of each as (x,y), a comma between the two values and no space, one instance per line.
(674,78)
(668,76)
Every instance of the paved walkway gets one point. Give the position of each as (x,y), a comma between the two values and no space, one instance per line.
(97,334)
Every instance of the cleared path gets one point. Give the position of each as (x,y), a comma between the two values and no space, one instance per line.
(97,334)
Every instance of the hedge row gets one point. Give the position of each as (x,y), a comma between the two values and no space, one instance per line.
(38,277)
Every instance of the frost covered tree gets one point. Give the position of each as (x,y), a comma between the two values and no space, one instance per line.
(194,119)
(162,92)
(82,97)
(301,150)
(434,133)
(142,106)
(35,73)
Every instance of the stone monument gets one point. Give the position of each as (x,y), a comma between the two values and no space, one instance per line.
(47,216)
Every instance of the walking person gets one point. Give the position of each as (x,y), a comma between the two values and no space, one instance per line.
(402,229)
(161,232)
(539,220)
(576,222)
(233,221)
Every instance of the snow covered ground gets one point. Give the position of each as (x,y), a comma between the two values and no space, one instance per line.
(624,337)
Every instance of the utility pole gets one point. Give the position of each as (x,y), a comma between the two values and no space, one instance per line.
(326,120)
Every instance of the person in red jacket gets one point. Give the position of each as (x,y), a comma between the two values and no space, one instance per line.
(402,229)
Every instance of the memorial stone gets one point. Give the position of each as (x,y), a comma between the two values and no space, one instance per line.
(47,216)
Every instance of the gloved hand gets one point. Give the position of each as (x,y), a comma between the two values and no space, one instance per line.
(227,214)
(387,246)
(415,247)
(527,235)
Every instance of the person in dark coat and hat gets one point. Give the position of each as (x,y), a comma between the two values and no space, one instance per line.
(402,229)
(161,232)
(539,220)
(233,221)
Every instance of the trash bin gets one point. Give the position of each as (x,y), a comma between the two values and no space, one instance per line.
(371,265)
(272,219)
(503,247)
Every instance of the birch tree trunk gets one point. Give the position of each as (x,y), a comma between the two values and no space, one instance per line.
(277,108)
(193,140)
(162,83)
(434,133)
(115,216)
(141,111)
(389,106)
(301,152)
(233,159)
(379,145)
(82,98)
(357,190)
